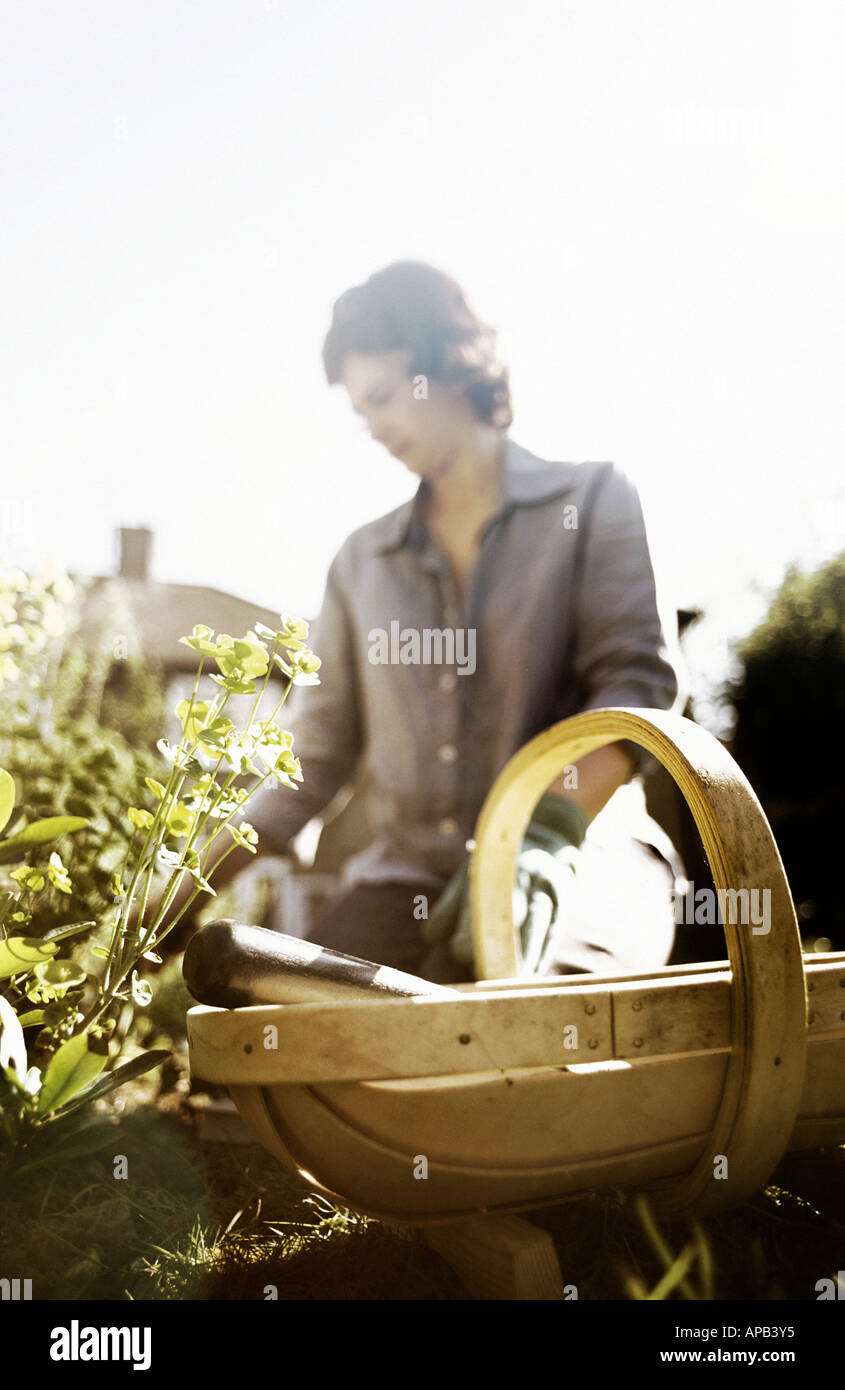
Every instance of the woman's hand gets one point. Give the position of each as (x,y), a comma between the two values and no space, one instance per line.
(545,865)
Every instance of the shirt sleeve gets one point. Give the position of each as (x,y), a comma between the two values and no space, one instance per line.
(325,721)
(623,654)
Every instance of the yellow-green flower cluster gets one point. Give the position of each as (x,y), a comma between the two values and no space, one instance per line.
(33,878)
(241,660)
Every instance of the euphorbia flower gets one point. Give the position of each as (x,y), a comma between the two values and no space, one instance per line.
(306,665)
(192,719)
(239,751)
(291,633)
(180,820)
(244,835)
(201,640)
(58,874)
(29,878)
(243,654)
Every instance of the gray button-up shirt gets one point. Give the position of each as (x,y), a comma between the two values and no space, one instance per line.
(431,694)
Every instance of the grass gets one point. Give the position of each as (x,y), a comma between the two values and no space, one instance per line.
(199,1221)
(775,1247)
(227,1221)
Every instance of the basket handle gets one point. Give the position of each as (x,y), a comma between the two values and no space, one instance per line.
(765,1070)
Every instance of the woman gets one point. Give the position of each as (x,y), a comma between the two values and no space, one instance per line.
(509,593)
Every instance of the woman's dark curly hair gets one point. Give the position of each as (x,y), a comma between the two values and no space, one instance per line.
(412,305)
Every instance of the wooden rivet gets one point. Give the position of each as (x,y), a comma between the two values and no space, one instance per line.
(810,986)
(638,1042)
(811,1017)
(464,1038)
(247,1047)
(637,1004)
(594,1042)
(589,1008)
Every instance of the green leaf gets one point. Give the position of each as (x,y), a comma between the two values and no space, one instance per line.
(211,738)
(193,715)
(30,1019)
(14,818)
(202,883)
(63,1143)
(20,953)
(72,1067)
(41,832)
(236,684)
(145,1061)
(7,796)
(59,933)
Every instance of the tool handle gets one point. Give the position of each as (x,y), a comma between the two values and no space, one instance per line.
(232,965)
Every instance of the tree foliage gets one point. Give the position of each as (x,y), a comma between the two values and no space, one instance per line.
(789,736)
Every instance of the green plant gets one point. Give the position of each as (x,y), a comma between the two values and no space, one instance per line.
(676,1268)
(78,1011)
(330,1219)
(60,737)
(788,705)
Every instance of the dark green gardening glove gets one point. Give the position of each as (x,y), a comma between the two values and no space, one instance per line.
(545,873)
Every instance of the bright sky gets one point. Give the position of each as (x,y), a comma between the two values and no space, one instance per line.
(647,199)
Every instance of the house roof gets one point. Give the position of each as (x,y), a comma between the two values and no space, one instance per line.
(148,618)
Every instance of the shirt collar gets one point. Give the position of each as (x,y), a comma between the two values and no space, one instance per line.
(528,480)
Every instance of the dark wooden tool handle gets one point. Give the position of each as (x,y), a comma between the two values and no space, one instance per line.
(231,965)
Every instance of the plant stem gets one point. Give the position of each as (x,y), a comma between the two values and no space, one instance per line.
(122,960)
(661,1249)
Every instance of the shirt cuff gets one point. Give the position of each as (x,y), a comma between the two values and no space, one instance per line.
(563,816)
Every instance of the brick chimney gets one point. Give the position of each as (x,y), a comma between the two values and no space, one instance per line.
(136,544)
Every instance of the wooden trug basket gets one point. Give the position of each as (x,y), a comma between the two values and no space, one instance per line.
(687,1084)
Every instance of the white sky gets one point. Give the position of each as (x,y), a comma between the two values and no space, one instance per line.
(647,198)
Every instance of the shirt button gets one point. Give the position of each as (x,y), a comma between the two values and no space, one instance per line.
(448,681)
(447,826)
(447,753)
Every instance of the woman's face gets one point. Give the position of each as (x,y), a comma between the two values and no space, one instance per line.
(418,420)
